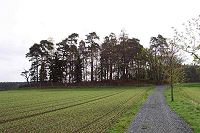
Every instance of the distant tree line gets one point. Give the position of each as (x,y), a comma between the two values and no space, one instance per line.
(10,85)
(116,58)
(192,73)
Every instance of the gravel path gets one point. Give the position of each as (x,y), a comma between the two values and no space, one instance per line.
(155,116)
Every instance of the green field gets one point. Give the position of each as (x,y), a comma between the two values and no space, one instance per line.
(70,110)
(187,103)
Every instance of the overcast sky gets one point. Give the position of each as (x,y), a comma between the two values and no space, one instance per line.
(24,22)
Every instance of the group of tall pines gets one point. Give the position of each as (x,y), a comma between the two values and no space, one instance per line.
(116,58)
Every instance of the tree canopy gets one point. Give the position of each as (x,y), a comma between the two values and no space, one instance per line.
(117,58)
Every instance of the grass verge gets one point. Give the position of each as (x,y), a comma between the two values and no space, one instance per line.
(186,104)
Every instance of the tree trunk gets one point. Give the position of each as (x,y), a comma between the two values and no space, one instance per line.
(27,81)
(138,74)
(101,72)
(118,72)
(92,76)
(110,71)
(70,73)
(107,70)
(37,71)
(171,80)
(86,73)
